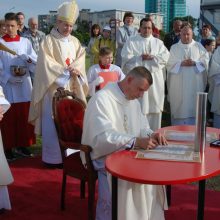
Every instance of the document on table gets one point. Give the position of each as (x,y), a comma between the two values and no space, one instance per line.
(173,152)
(70,151)
(187,136)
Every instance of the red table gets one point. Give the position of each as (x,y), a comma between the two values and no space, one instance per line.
(123,165)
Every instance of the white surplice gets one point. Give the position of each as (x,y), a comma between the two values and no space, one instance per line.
(153,99)
(94,71)
(110,123)
(185,81)
(5,173)
(17,92)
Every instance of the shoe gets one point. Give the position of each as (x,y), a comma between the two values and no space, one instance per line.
(10,156)
(2,211)
(53,166)
(23,151)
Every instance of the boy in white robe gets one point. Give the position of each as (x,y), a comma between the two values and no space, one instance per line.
(150,52)
(187,74)
(100,74)
(113,121)
(5,173)
(17,90)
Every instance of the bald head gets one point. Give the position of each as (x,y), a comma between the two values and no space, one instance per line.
(33,24)
(177,26)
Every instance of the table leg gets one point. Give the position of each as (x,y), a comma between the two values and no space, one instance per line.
(114,198)
(201,200)
(168,189)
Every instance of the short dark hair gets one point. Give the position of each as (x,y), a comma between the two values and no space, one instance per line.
(141,72)
(207,26)
(146,20)
(95,26)
(207,42)
(105,51)
(20,13)
(10,16)
(128,14)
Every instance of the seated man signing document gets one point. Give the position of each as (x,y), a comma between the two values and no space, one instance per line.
(113,121)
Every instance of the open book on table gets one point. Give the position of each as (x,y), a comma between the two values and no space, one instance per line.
(187,135)
(173,152)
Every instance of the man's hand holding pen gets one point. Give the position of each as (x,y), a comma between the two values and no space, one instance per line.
(151,141)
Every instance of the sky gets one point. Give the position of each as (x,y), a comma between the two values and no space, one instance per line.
(31,8)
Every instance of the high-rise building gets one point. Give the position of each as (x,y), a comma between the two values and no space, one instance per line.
(169,8)
(45,22)
(210,14)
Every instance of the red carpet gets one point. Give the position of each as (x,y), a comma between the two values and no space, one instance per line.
(35,194)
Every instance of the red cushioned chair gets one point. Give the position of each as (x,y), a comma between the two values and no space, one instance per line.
(68,113)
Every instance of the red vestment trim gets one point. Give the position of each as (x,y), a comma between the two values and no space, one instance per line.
(104,67)
(7,38)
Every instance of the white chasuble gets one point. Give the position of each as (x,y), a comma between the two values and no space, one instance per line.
(111,121)
(214,82)
(185,81)
(55,54)
(153,99)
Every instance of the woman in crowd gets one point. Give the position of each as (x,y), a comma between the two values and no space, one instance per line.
(95,34)
(103,41)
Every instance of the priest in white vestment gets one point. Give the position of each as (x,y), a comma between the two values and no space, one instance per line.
(187,74)
(214,87)
(113,121)
(150,52)
(5,173)
(61,63)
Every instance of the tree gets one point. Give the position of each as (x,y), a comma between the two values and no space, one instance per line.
(193,21)
(82,32)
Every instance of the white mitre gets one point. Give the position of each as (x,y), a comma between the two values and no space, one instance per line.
(68,11)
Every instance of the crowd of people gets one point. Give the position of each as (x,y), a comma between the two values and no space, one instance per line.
(126,82)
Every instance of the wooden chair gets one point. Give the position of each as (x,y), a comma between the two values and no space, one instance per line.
(68,113)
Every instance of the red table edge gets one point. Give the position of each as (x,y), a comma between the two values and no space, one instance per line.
(167,182)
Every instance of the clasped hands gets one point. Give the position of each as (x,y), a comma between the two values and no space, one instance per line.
(151,142)
(188,62)
(147,57)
